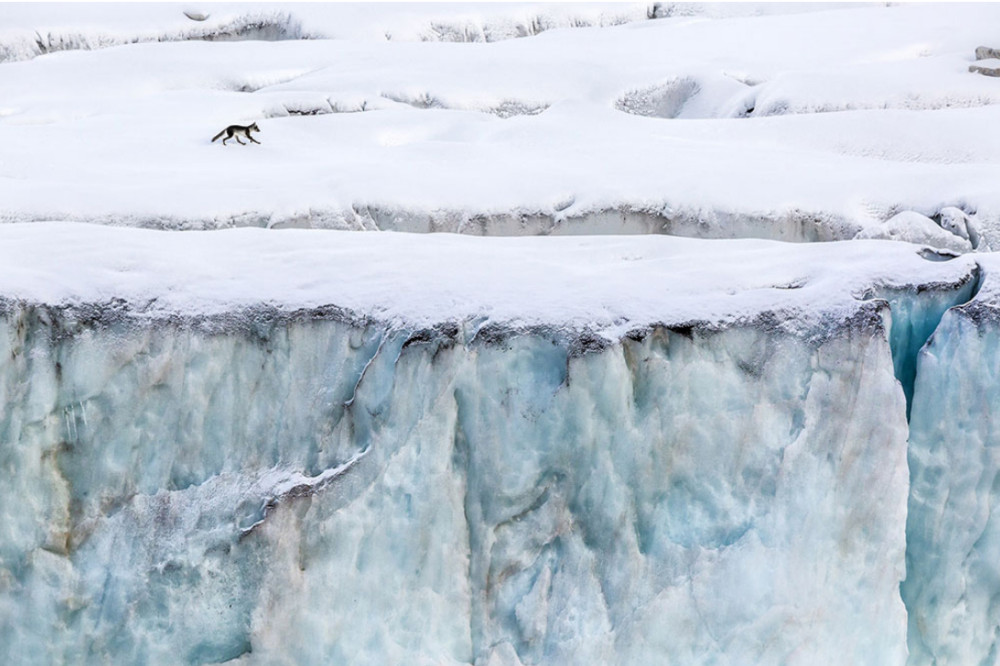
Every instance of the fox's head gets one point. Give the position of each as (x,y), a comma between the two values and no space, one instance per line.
(254,127)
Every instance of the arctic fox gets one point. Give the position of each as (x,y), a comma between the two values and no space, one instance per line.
(233,132)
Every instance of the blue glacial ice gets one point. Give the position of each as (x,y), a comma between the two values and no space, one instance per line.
(953,542)
(319,490)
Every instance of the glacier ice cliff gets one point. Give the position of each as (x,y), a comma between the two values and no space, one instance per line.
(312,488)
(197,466)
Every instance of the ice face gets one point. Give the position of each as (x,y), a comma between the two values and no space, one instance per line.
(692,459)
(192,478)
(324,491)
(660,542)
(953,542)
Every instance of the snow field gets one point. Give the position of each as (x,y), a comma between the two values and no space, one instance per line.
(803,126)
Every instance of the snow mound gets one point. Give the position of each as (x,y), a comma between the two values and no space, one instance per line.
(912,227)
(663,101)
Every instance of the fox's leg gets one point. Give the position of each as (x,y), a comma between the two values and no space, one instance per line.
(224,140)
(251,138)
(237,137)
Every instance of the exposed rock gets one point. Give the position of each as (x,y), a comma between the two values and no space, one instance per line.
(987,53)
(990,67)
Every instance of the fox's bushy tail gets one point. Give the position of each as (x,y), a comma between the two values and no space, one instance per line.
(218,135)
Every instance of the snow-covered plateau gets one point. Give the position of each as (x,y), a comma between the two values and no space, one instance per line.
(253,411)
(795,126)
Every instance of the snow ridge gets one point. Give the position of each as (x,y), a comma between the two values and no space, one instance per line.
(264,26)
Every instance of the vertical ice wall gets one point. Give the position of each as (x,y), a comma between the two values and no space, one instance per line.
(953,551)
(688,503)
(310,490)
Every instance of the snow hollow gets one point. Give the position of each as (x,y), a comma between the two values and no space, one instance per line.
(520,334)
